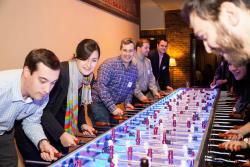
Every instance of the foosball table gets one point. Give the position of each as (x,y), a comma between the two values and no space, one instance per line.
(177,130)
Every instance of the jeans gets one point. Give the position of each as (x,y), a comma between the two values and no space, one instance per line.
(100,113)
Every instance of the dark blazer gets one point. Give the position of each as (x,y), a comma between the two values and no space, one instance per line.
(161,74)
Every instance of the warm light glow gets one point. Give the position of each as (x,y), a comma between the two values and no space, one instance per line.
(172,62)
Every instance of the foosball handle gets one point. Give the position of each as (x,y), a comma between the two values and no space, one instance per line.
(79,142)
(149,101)
(237,126)
(139,105)
(235,115)
(120,117)
(58,155)
(104,124)
(222,146)
(227,135)
(95,132)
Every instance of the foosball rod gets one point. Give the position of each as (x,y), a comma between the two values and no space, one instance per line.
(214,159)
(238,120)
(37,162)
(226,153)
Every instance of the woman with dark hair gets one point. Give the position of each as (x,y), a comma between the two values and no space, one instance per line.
(63,117)
(242,85)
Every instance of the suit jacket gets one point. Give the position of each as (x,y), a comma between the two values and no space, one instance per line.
(161,74)
(54,113)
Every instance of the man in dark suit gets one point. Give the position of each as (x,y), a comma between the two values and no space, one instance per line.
(160,65)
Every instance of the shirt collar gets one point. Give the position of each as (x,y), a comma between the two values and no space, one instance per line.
(120,59)
(16,91)
(160,54)
(140,57)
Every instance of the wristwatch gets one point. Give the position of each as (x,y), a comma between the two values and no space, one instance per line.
(246,140)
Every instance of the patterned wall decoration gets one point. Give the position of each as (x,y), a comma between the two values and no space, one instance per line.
(128,9)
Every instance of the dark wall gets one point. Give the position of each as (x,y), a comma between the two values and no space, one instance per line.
(188,52)
(179,36)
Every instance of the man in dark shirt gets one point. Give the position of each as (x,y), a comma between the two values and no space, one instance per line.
(160,64)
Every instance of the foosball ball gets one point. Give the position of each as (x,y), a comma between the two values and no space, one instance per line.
(171,132)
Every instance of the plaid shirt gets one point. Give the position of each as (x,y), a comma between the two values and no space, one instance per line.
(115,83)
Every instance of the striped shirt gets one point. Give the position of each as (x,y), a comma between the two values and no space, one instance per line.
(14,107)
(115,83)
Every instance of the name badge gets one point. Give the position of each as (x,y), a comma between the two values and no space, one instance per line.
(163,68)
(130,84)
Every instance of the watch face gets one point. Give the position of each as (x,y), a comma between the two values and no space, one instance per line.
(246,140)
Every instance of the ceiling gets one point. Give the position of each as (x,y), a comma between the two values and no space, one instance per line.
(169,4)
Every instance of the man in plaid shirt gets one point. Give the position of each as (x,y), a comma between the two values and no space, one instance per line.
(115,84)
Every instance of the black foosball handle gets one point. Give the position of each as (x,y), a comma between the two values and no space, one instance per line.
(45,163)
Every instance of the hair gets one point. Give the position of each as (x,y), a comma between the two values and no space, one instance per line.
(85,48)
(242,86)
(127,41)
(161,39)
(207,9)
(44,56)
(140,42)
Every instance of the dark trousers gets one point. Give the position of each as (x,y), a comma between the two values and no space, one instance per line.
(26,148)
(100,113)
(8,155)
(162,86)
(29,150)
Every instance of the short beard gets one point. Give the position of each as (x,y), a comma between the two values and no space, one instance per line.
(231,46)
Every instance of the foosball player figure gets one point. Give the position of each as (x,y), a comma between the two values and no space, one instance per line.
(145,162)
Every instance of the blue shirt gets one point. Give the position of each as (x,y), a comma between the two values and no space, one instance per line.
(115,83)
(14,107)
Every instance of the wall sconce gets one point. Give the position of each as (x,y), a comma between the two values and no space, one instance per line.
(172,63)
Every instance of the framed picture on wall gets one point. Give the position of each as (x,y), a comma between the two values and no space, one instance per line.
(128,9)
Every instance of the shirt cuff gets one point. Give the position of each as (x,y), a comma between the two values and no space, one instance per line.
(37,139)
(155,92)
(112,108)
(140,96)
